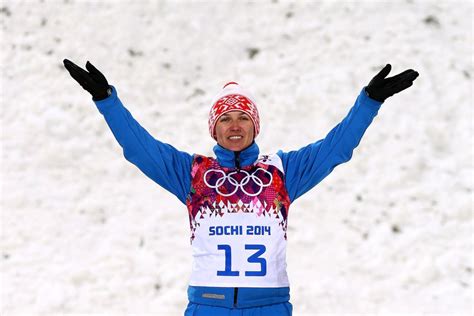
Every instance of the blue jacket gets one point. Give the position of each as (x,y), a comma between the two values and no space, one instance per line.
(303,168)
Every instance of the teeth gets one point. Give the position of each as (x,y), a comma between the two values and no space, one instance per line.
(235,137)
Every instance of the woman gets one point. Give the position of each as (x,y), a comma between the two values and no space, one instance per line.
(238,201)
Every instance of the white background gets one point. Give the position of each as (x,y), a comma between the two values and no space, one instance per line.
(84,232)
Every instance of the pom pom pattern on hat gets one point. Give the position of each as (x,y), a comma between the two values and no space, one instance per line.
(233,98)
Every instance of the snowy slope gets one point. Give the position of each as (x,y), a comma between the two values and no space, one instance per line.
(83,232)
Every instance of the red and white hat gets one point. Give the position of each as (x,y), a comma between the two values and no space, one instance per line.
(233,98)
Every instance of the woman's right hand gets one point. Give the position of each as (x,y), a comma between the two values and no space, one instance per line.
(92,80)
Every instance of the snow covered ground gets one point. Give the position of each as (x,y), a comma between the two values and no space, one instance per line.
(83,232)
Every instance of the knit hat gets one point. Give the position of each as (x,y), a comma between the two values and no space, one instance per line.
(233,98)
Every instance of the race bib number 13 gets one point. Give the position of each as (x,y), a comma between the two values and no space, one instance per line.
(255,257)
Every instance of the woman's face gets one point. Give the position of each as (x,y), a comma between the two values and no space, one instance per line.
(234,130)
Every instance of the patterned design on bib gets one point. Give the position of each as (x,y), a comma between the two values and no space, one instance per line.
(216,191)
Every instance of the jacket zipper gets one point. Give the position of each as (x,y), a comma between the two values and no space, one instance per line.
(236,290)
(237,159)
(237,164)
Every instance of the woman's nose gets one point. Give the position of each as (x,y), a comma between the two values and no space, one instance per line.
(235,125)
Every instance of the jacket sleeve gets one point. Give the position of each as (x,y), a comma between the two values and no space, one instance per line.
(307,166)
(167,166)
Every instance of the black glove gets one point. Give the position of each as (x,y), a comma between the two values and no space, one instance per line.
(93,81)
(380,88)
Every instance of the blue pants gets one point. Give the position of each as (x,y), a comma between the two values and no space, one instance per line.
(280,309)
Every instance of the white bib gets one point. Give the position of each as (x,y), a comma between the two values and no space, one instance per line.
(238,222)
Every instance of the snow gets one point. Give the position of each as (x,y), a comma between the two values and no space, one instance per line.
(83,232)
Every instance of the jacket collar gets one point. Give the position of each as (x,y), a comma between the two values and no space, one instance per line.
(227,158)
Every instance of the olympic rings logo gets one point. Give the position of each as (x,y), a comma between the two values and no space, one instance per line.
(228,179)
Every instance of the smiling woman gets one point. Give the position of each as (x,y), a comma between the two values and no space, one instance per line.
(234,121)
(235,269)
(234,131)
